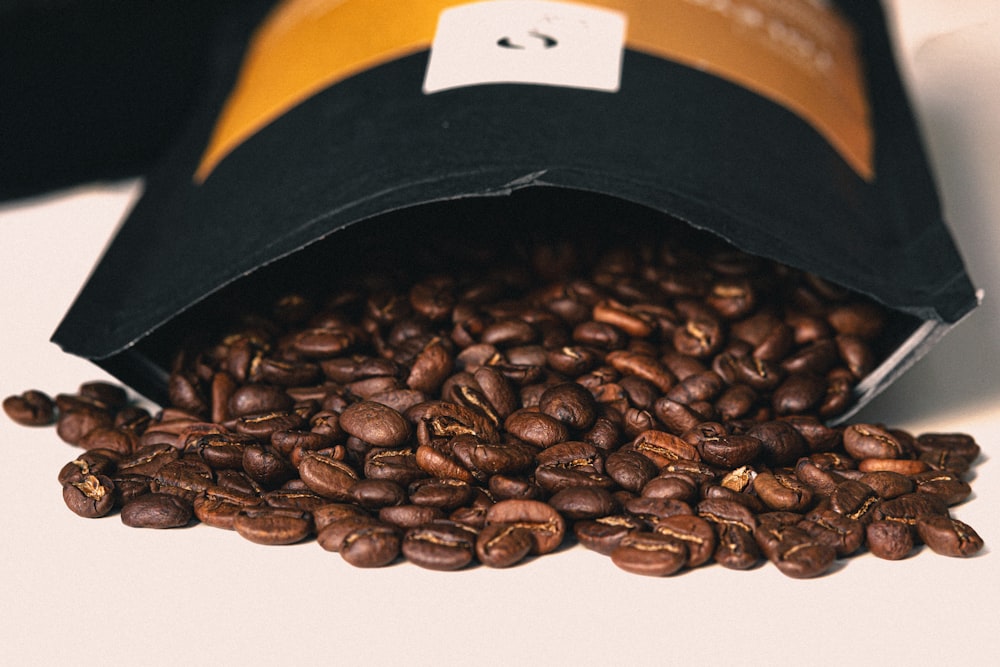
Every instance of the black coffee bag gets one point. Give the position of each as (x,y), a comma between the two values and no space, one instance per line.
(342,127)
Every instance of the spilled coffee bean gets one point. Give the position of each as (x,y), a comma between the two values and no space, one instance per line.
(669,407)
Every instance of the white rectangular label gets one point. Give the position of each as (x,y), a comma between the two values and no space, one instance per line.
(527,41)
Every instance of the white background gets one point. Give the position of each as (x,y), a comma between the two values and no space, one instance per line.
(75,591)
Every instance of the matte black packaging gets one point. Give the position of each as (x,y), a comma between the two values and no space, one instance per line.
(318,137)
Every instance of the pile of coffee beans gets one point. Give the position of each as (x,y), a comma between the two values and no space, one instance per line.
(668,405)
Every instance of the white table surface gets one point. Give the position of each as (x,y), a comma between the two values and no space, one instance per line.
(77,591)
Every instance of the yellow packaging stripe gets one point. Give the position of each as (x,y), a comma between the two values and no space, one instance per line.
(801,55)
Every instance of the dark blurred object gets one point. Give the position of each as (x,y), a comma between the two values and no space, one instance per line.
(96,89)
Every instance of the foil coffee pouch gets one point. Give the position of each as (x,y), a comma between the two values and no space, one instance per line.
(347,136)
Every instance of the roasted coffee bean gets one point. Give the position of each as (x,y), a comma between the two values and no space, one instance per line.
(887,484)
(485,459)
(503,545)
(219,450)
(546,525)
(743,497)
(266,466)
(942,459)
(734,525)
(781,443)
(90,496)
(736,549)
(218,506)
(569,403)
(30,408)
(148,459)
(439,419)
(237,480)
(272,525)
(157,510)
(781,491)
(372,545)
(728,451)
(943,484)
(440,545)
(536,428)
(694,532)
(663,448)
(870,441)
(799,393)
(73,425)
(583,502)
(603,534)
(329,513)
(129,486)
(961,444)
(650,554)
(822,482)
(948,536)
(438,460)
(504,487)
(910,508)
(664,402)
(631,470)
(263,425)
(397,465)
(442,493)
(677,417)
(331,536)
(294,499)
(374,494)
(375,423)
(654,510)
(328,477)
(844,534)
(184,477)
(890,540)
(252,399)
(854,500)
(93,462)
(409,516)
(804,559)
(675,486)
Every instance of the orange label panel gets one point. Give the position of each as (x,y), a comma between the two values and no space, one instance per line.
(798,53)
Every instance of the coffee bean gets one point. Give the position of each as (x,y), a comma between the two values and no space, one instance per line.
(630,470)
(943,484)
(409,516)
(844,534)
(869,441)
(694,532)
(890,540)
(272,525)
(948,536)
(536,428)
(375,423)
(440,545)
(503,545)
(372,545)
(583,502)
(157,510)
(218,506)
(31,408)
(546,525)
(669,404)
(327,476)
(336,529)
(605,533)
(90,496)
(781,491)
